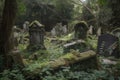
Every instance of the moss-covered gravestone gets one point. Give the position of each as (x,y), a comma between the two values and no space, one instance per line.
(36,33)
(81,29)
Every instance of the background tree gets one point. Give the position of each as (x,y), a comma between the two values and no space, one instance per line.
(115,7)
(6,40)
(105,15)
(1,8)
(47,12)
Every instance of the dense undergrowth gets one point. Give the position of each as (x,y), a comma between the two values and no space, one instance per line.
(54,51)
(65,73)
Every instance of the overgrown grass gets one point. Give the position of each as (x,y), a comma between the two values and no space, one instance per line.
(54,51)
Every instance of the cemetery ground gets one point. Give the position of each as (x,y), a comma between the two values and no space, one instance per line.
(59,40)
(50,64)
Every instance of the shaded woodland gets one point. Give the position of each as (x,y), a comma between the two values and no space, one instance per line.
(59,40)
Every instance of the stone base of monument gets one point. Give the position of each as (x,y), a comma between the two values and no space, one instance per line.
(34,48)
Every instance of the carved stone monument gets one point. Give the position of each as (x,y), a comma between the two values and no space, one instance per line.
(36,33)
(81,29)
(108,45)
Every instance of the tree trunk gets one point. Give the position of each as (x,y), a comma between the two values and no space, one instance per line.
(115,6)
(6,28)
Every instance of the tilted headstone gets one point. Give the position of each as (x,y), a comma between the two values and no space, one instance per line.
(36,33)
(81,29)
(107,44)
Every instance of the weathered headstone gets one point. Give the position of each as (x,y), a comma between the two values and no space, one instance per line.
(107,45)
(64,29)
(99,31)
(53,32)
(16,36)
(81,29)
(26,26)
(59,30)
(90,31)
(36,32)
(21,39)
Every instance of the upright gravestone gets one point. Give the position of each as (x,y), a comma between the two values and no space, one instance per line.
(108,45)
(81,29)
(26,26)
(53,32)
(36,33)
(59,30)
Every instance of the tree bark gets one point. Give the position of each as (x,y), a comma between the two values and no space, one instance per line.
(6,28)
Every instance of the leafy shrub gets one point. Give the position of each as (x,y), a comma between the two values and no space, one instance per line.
(11,75)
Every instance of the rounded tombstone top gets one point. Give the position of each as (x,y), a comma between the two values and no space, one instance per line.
(26,22)
(81,25)
(36,24)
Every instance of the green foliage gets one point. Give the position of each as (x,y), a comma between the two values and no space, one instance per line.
(11,75)
(72,72)
(21,7)
(47,12)
(102,2)
(1,62)
(64,8)
(68,74)
(91,42)
(1,6)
